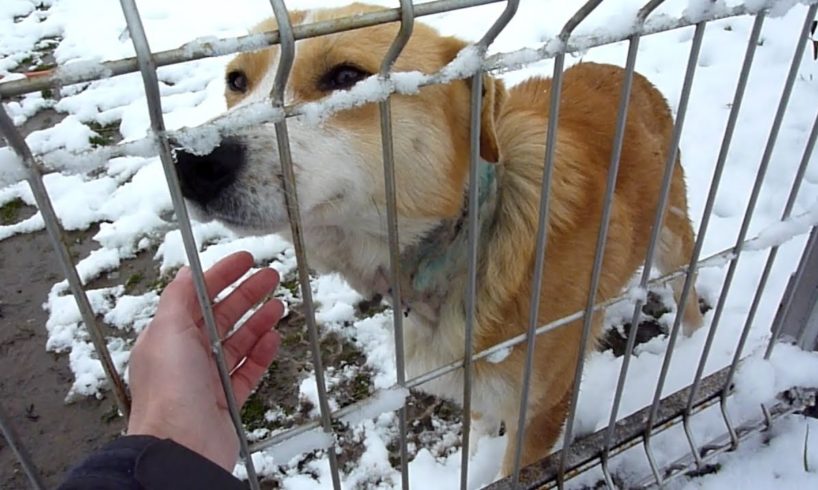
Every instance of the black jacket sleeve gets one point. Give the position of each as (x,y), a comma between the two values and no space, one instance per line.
(148,463)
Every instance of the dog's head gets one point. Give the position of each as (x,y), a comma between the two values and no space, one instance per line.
(339,163)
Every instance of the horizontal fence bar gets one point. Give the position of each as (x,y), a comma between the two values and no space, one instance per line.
(243,118)
(585,453)
(716,260)
(209,47)
(628,433)
(791,401)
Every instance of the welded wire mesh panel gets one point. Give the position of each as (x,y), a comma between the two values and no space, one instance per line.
(662,401)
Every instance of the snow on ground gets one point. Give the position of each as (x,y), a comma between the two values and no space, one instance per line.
(132,206)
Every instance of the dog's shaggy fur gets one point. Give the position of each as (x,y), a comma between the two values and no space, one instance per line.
(340,186)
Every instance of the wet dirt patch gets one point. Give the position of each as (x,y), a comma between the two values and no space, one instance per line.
(35,382)
(15,211)
(616,339)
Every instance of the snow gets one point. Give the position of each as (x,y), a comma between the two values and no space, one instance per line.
(267,460)
(380,402)
(499,356)
(133,311)
(770,468)
(783,231)
(122,190)
(79,70)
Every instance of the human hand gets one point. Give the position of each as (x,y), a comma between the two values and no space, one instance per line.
(173,376)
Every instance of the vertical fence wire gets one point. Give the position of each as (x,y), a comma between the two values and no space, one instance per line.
(787,301)
(151,84)
(473,223)
(715,181)
(502,21)
(631,341)
(285,62)
(633,48)
(539,262)
(619,135)
(771,256)
(748,215)
(34,176)
(471,284)
(19,450)
(387,144)
(667,178)
(542,232)
(602,238)
(695,49)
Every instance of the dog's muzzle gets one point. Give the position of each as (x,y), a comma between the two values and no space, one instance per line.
(203,177)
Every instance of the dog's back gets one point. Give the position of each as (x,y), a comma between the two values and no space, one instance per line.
(590,99)
(587,121)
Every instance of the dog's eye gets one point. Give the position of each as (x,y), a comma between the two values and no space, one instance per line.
(237,81)
(342,77)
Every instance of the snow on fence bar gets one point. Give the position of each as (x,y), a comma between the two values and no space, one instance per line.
(797,318)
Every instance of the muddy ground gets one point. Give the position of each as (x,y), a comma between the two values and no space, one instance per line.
(34,382)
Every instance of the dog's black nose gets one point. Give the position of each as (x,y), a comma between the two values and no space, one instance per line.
(203,177)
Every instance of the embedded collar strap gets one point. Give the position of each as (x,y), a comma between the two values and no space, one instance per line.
(430,267)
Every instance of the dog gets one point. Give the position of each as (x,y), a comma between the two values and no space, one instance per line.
(338,170)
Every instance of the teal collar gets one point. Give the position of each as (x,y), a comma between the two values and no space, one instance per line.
(429,267)
(445,247)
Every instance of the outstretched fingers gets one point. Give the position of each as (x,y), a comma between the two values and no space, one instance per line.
(249,293)
(227,271)
(247,375)
(242,342)
(179,300)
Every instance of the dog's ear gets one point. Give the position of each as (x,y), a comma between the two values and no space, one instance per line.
(494,95)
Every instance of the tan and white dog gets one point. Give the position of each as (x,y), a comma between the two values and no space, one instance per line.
(338,169)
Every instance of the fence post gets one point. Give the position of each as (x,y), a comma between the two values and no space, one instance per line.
(797,317)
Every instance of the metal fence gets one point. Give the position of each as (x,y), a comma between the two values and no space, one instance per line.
(797,318)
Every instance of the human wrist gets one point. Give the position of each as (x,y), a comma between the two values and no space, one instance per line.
(197,439)
(161,425)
